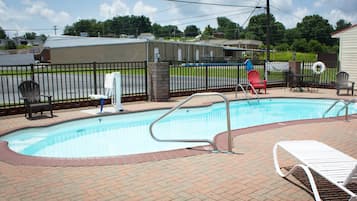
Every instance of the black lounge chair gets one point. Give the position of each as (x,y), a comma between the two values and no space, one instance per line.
(30,92)
(342,82)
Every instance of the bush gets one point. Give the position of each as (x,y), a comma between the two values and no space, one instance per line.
(10,44)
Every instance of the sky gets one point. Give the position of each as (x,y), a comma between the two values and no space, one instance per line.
(50,17)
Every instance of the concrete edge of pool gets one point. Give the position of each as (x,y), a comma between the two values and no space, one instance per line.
(11,157)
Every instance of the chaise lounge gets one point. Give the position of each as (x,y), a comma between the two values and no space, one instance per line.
(333,165)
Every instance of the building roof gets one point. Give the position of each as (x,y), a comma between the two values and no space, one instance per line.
(77,41)
(16,59)
(337,34)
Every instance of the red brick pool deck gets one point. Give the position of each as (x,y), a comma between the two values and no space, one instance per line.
(248,174)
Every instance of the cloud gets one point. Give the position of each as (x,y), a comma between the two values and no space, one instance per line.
(41,9)
(116,8)
(141,9)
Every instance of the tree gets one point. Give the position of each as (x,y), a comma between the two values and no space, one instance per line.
(43,37)
(30,35)
(277,33)
(2,34)
(256,29)
(317,28)
(130,25)
(10,44)
(342,24)
(314,46)
(299,45)
(192,31)
(291,35)
(208,32)
(282,47)
(229,28)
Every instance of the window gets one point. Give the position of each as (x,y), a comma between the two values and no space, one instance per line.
(156,54)
(179,54)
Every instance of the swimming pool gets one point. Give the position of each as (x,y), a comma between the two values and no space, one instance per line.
(126,134)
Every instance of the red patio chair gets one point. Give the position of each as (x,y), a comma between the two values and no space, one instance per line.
(256,82)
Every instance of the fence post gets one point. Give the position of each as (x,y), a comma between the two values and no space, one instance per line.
(238,78)
(95,77)
(206,77)
(32,72)
(158,81)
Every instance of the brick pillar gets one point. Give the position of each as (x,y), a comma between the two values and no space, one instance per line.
(158,81)
(294,68)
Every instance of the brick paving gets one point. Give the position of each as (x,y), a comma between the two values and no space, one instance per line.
(246,175)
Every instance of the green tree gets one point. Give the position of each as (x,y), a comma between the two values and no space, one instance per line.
(230,29)
(257,29)
(277,33)
(192,31)
(291,35)
(43,37)
(2,33)
(10,44)
(130,25)
(342,24)
(300,45)
(317,28)
(282,47)
(208,32)
(314,46)
(30,35)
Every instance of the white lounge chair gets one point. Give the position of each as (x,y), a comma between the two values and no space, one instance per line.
(333,165)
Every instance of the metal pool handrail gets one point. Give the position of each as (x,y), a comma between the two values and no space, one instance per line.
(354,100)
(245,91)
(197,140)
(333,105)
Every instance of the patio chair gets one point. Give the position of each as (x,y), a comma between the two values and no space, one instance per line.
(333,165)
(30,92)
(256,82)
(342,82)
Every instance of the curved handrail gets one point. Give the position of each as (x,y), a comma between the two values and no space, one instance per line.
(241,87)
(255,91)
(245,90)
(197,140)
(333,105)
(354,100)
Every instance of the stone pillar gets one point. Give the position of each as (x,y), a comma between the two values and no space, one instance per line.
(294,67)
(158,81)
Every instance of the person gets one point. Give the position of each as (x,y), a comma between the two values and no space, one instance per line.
(248,65)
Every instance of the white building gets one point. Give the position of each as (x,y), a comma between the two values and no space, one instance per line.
(348,51)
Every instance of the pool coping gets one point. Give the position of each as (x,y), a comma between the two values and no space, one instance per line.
(14,158)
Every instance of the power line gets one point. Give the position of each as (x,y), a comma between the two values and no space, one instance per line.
(215,4)
(198,16)
(250,15)
(211,18)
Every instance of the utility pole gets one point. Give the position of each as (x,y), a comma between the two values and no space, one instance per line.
(55,29)
(268,32)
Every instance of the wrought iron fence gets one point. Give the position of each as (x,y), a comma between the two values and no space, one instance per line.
(192,77)
(71,83)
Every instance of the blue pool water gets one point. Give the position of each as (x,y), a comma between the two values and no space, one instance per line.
(129,133)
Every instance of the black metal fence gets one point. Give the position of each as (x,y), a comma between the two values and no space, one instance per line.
(71,84)
(188,78)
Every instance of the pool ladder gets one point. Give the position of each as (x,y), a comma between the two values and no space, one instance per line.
(245,91)
(215,149)
(345,107)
